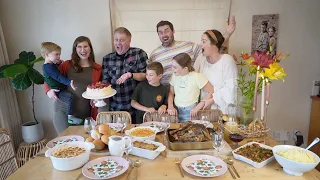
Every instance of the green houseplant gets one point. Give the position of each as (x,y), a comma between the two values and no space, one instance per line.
(23,76)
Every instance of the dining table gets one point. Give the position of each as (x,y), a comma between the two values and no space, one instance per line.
(161,168)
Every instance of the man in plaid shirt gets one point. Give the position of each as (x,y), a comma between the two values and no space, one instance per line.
(123,69)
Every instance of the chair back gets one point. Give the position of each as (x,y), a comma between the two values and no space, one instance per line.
(8,162)
(156,117)
(114,117)
(211,115)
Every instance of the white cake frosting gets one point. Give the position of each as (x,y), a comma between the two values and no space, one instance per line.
(99,90)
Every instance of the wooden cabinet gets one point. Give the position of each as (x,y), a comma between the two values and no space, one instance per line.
(314,127)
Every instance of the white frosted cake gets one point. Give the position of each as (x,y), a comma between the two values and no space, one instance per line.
(99,89)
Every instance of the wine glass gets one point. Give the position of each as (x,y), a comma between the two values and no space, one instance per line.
(165,120)
(127,146)
(93,123)
(217,141)
(87,125)
(236,137)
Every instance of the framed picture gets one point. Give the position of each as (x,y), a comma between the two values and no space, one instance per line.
(265,33)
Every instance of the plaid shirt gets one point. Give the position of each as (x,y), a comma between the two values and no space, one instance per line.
(113,66)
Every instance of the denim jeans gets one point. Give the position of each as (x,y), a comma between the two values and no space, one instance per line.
(184,112)
(67,98)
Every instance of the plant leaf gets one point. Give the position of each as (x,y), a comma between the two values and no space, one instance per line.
(35,76)
(37,60)
(21,81)
(25,58)
(13,70)
(2,68)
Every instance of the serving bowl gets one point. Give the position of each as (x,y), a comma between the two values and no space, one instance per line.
(293,167)
(150,137)
(149,154)
(71,163)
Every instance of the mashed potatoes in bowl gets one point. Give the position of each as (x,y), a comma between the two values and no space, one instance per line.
(295,160)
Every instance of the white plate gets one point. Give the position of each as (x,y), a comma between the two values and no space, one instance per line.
(207,124)
(157,125)
(60,140)
(249,161)
(84,95)
(191,159)
(119,160)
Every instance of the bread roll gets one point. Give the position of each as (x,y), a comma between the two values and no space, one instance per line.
(95,134)
(104,129)
(98,144)
(89,139)
(105,139)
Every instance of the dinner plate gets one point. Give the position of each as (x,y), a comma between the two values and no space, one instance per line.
(64,139)
(84,95)
(186,162)
(120,161)
(207,124)
(161,126)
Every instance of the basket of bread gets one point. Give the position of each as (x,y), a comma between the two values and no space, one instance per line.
(100,136)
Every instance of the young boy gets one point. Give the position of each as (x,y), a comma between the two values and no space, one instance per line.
(55,80)
(150,95)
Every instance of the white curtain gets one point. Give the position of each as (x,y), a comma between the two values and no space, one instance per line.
(9,111)
(190,19)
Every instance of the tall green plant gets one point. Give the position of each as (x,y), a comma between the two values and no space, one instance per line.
(23,74)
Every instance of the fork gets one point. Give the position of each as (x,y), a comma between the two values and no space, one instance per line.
(178,163)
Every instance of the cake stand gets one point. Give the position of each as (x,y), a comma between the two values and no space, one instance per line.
(99,99)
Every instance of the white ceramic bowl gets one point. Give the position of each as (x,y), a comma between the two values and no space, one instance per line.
(249,161)
(148,153)
(152,137)
(293,167)
(67,164)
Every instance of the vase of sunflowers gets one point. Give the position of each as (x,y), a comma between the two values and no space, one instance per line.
(254,77)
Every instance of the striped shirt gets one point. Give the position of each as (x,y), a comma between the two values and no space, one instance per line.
(164,55)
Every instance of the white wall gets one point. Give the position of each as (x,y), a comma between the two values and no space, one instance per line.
(27,23)
(298,34)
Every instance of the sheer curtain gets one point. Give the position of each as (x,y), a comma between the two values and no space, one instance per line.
(9,111)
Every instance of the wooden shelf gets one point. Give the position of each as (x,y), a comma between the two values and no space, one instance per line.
(314,127)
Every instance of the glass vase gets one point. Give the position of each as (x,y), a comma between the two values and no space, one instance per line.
(246,111)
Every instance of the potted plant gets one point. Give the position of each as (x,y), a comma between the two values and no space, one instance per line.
(23,76)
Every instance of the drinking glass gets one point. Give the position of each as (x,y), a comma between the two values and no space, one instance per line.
(165,120)
(127,146)
(87,124)
(217,141)
(93,123)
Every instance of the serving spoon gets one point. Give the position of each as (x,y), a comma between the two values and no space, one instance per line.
(315,141)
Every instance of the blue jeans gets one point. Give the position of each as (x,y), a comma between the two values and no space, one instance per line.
(184,112)
(65,96)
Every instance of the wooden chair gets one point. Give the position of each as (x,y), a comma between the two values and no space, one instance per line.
(114,117)
(156,117)
(210,115)
(8,162)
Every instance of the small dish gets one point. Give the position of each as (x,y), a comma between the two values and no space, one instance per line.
(149,154)
(151,137)
(249,161)
(64,139)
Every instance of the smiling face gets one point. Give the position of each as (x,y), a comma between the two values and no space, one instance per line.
(152,77)
(121,43)
(83,50)
(206,46)
(53,56)
(166,35)
(271,32)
